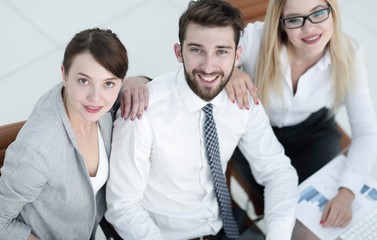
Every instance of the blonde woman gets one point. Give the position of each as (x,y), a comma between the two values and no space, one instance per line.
(305,68)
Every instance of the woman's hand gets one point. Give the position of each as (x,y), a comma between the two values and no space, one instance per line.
(338,211)
(134,97)
(238,87)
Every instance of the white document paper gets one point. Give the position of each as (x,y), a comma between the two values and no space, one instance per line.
(318,189)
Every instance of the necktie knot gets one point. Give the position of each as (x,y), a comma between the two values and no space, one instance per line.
(208,109)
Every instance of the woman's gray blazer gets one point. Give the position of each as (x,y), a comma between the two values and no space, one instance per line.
(45,187)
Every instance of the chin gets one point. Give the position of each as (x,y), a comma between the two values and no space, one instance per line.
(94,117)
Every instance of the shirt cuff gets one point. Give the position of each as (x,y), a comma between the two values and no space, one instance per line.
(351,181)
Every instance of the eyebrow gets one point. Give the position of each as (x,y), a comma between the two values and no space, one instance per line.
(199,45)
(316,8)
(87,76)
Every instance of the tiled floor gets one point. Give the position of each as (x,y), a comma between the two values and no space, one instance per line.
(34,35)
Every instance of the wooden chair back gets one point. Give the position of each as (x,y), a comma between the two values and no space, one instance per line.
(252,10)
(8,134)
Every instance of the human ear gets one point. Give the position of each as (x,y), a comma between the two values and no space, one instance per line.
(64,76)
(238,55)
(178,52)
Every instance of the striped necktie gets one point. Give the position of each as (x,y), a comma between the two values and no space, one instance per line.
(221,188)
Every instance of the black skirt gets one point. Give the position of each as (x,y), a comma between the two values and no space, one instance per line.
(310,145)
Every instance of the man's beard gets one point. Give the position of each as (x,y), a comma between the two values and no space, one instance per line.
(204,92)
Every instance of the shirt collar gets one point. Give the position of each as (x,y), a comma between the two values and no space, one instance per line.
(192,102)
(325,61)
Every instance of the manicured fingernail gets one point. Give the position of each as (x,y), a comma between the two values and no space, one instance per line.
(233,101)
(248,108)
(321,222)
(257,102)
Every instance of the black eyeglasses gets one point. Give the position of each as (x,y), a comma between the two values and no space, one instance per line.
(314,17)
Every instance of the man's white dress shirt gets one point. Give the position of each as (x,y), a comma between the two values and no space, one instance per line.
(160,184)
(315,91)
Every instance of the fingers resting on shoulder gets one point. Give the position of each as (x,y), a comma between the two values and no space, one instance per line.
(134,97)
(239,87)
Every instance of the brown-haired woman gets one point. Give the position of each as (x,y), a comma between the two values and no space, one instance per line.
(53,178)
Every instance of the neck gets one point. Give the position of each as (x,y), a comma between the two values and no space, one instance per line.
(300,62)
(303,59)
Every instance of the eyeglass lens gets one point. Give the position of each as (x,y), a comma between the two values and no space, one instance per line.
(315,17)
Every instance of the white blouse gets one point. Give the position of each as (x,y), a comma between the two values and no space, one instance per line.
(314,91)
(103,166)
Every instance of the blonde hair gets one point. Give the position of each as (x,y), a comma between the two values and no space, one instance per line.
(269,74)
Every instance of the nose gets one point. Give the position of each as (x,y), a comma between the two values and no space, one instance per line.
(208,64)
(94,94)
